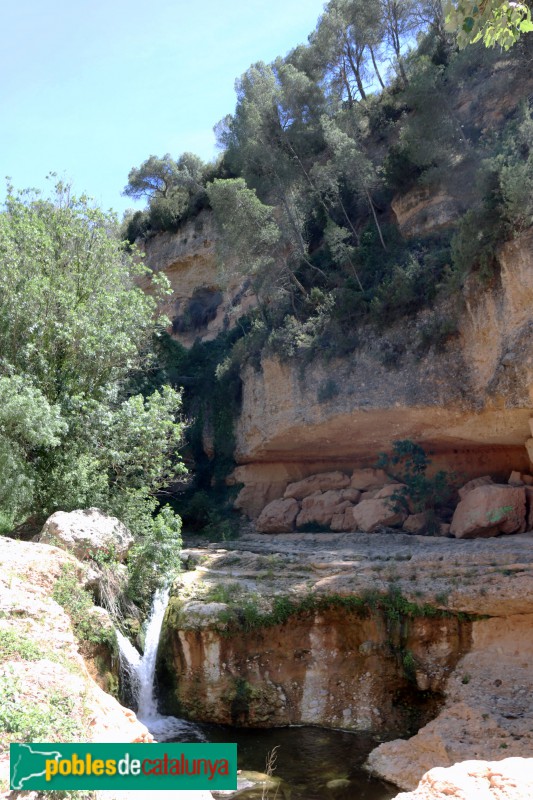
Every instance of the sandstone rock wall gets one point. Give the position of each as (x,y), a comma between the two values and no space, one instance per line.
(470,405)
(202,304)
(383,670)
(335,669)
(487,715)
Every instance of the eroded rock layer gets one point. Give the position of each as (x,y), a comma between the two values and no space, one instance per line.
(469,405)
(368,632)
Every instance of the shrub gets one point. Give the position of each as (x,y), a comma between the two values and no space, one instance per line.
(408,463)
(327,390)
(28,721)
(437,332)
(79,604)
(155,557)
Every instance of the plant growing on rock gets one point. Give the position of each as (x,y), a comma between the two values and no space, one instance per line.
(409,464)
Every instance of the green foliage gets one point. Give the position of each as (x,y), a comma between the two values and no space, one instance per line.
(155,557)
(174,190)
(14,645)
(409,664)
(409,464)
(251,242)
(516,172)
(73,329)
(27,721)
(327,390)
(79,605)
(70,318)
(474,245)
(245,612)
(494,22)
(406,289)
(28,423)
(437,332)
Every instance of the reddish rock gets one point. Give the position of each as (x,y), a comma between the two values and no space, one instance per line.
(278,516)
(343,521)
(389,491)
(489,510)
(416,523)
(320,507)
(254,497)
(515,479)
(353,495)
(367,479)
(317,483)
(486,480)
(370,514)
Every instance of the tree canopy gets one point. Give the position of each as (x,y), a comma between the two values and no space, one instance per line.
(73,329)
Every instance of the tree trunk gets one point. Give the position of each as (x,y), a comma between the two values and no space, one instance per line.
(376,221)
(356,72)
(376,70)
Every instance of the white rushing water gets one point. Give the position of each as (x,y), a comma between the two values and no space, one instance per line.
(140,673)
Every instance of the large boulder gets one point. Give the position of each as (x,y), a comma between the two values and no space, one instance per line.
(486,480)
(254,497)
(278,516)
(343,520)
(389,490)
(490,510)
(86,533)
(508,779)
(367,479)
(371,514)
(416,523)
(320,507)
(317,483)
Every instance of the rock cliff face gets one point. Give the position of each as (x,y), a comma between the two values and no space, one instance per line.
(470,405)
(366,632)
(201,304)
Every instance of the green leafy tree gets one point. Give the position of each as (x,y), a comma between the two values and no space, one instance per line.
(348,166)
(73,329)
(171,187)
(70,316)
(250,242)
(346,40)
(409,463)
(491,21)
(271,140)
(28,423)
(154,178)
(399,21)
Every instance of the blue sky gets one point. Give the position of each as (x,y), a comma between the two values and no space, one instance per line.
(91,89)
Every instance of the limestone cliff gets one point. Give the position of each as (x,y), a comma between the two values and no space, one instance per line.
(365,632)
(470,404)
(201,303)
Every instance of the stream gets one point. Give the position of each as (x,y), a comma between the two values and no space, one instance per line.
(311,763)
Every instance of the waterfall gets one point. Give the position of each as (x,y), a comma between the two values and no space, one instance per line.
(140,674)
